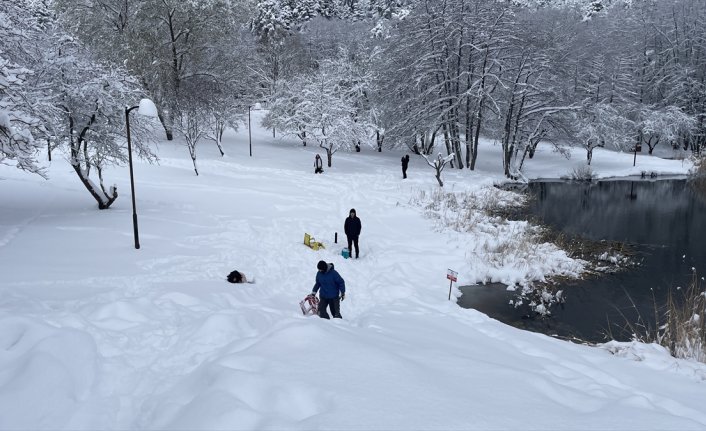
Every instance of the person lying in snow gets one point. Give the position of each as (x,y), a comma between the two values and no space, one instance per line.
(331,285)
(237,277)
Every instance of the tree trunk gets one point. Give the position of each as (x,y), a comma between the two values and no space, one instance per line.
(167,125)
(329,152)
(432,141)
(479,110)
(457,147)
(507,151)
(193,160)
(447,142)
(532,149)
(474,156)
(104,200)
(192,153)
(469,138)
(220,126)
(415,148)
(438,176)
(176,75)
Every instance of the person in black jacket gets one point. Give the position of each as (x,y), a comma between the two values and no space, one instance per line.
(318,165)
(352,229)
(405,163)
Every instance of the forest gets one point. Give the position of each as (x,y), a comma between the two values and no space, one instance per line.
(432,76)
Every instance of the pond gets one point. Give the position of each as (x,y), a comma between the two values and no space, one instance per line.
(661,220)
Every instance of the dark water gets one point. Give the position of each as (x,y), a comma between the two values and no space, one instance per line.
(662,220)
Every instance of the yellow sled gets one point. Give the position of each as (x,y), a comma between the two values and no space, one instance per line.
(311,243)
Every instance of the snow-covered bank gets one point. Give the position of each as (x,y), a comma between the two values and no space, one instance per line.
(97,335)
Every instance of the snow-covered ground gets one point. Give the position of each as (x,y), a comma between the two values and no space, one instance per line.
(97,335)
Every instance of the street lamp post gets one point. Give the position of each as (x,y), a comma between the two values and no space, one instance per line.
(249,133)
(146,108)
(132,179)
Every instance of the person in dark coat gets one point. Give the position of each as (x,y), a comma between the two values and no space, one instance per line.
(318,165)
(331,288)
(237,277)
(352,229)
(405,163)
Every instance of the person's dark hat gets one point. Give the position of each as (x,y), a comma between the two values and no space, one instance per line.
(321,266)
(352,211)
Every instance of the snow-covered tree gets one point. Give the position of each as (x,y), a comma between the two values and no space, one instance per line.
(322,107)
(61,94)
(439,163)
(667,124)
(196,117)
(91,97)
(440,68)
(192,124)
(165,43)
(601,125)
(286,111)
(23,129)
(17,143)
(226,111)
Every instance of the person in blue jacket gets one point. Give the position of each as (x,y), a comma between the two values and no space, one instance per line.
(331,288)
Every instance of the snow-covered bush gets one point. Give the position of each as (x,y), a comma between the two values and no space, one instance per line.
(500,250)
(582,172)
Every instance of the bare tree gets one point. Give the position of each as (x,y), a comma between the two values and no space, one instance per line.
(439,164)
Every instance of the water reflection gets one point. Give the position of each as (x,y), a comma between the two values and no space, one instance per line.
(661,218)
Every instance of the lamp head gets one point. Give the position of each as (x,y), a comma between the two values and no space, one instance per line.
(147,108)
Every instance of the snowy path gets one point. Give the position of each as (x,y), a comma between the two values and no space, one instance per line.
(97,335)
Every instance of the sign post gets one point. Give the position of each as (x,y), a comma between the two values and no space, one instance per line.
(451,275)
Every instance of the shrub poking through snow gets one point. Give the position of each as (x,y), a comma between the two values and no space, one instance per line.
(582,172)
(680,326)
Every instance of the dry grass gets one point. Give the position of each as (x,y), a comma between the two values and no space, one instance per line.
(499,242)
(679,326)
(582,173)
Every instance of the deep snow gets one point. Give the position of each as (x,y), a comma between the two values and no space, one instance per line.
(97,335)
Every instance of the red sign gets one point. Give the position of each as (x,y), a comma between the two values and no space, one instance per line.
(451,275)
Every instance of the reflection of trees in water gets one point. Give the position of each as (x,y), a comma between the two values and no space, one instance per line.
(653,212)
(665,213)
(698,186)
